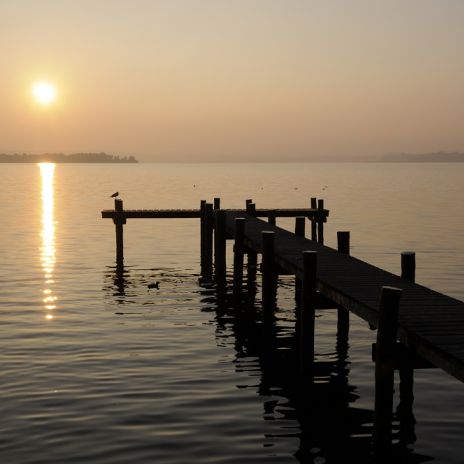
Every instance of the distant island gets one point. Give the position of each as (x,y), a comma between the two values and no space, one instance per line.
(439,157)
(62,158)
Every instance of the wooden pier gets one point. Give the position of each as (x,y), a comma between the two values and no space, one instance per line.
(416,326)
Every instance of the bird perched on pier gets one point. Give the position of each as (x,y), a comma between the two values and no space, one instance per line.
(153,285)
(115,195)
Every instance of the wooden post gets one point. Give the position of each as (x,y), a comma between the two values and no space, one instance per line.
(406,371)
(271,218)
(384,372)
(408,265)
(313,220)
(119,221)
(208,241)
(217,203)
(343,314)
(252,256)
(220,245)
(268,272)
(238,257)
(202,234)
(300,232)
(307,311)
(320,222)
(343,242)
(251,209)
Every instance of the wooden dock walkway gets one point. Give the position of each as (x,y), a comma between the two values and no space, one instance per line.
(416,327)
(430,324)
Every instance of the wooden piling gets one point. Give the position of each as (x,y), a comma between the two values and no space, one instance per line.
(313,220)
(220,245)
(320,222)
(307,311)
(119,221)
(202,233)
(207,270)
(252,257)
(239,250)
(406,370)
(217,203)
(268,271)
(343,314)
(300,222)
(384,372)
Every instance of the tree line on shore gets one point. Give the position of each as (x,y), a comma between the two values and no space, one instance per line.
(62,158)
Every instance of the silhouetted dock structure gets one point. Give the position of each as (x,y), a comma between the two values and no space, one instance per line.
(416,326)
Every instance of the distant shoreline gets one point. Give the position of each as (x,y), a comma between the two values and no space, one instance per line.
(101,158)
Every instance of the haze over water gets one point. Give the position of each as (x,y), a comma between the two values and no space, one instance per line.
(97,368)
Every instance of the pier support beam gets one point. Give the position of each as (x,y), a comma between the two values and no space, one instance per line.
(307,312)
(119,221)
(252,257)
(384,373)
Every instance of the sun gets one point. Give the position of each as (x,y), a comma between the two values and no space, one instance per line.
(44,92)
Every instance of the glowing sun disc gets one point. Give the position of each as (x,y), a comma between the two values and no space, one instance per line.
(44,92)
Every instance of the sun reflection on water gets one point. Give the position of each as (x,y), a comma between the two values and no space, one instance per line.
(48,249)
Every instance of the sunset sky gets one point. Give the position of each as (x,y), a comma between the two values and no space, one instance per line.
(212,80)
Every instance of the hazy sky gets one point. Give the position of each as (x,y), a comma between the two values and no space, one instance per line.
(233,80)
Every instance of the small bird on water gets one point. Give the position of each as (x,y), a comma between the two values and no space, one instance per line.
(153,285)
(115,194)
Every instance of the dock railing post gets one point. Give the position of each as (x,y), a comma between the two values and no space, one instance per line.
(320,222)
(220,245)
(268,272)
(300,232)
(271,218)
(313,220)
(238,258)
(307,311)
(119,221)
(406,370)
(217,203)
(384,373)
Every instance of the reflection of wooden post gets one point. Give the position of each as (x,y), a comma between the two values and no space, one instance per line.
(300,232)
(267,271)
(320,222)
(384,371)
(119,221)
(220,245)
(238,256)
(313,220)
(307,311)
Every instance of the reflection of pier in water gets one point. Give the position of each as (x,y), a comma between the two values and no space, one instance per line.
(318,410)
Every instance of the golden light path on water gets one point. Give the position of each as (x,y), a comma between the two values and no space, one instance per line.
(48,249)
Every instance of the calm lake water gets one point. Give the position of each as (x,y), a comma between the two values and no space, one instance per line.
(96,368)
